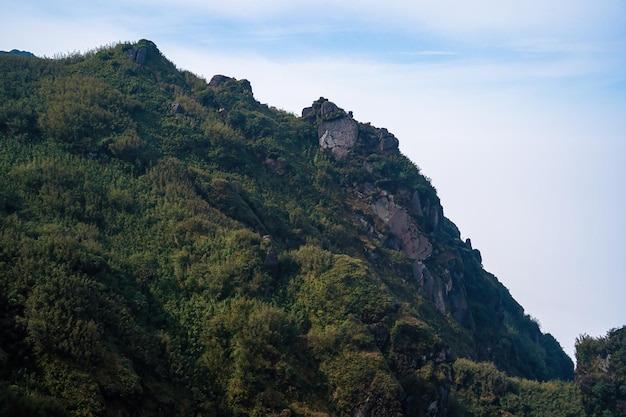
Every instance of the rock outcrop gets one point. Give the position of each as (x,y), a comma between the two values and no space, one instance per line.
(338,135)
(243,86)
(387,143)
(138,55)
(411,240)
(376,407)
(330,111)
(410,220)
(218,80)
(445,285)
(339,132)
(177,108)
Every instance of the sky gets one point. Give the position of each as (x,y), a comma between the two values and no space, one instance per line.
(515,109)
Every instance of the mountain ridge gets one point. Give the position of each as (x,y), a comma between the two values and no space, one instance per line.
(18,52)
(174,240)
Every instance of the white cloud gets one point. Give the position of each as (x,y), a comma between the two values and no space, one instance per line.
(443,17)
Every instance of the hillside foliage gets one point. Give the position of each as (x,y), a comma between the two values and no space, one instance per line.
(601,373)
(170,246)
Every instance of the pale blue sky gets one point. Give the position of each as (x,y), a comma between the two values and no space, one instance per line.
(515,109)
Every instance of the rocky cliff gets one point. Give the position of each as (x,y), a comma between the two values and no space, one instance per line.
(403,213)
(402,221)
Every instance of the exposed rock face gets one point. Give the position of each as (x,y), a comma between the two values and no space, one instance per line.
(411,219)
(330,111)
(475,252)
(412,241)
(416,205)
(218,80)
(375,407)
(431,287)
(338,132)
(387,143)
(242,86)
(446,355)
(138,55)
(433,213)
(455,295)
(447,290)
(177,108)
(338,135)
(308,112)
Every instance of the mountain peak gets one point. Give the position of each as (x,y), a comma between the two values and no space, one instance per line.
(18,52)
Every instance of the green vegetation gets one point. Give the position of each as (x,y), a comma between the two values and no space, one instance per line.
(601,373)
(482,390)
(171,247)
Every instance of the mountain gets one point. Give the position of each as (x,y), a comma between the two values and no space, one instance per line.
(171,246)
(17,52)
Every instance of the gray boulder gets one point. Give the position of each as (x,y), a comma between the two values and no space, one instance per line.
(387,143)
(330,111)
(138,55)
(218,80)
(177,108)
(338,135)
(412,241)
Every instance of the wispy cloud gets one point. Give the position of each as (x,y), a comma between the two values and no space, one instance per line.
(425,53)
(444,18)
(444,53)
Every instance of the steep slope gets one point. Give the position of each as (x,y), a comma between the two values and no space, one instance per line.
(173,246)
